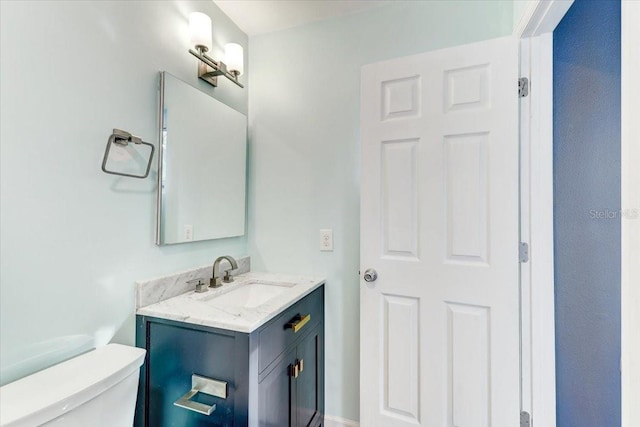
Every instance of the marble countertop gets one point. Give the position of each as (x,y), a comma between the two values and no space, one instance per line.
(197,308)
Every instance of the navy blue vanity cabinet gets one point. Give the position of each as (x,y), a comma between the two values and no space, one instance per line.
(274,375)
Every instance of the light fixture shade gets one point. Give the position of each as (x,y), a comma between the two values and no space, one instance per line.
(200,30)
(233,58)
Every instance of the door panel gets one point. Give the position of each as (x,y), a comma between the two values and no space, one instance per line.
(468,357)
(307,383)
(275,392)
(401,364)
(439,218)
(176,354)
(466,195)
(399,198)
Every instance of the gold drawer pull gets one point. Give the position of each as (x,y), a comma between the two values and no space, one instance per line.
(298,322)
(296,369)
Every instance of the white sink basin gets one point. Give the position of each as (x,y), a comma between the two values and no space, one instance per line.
(251,295)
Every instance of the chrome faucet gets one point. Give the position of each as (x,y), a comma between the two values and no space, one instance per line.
(216,281)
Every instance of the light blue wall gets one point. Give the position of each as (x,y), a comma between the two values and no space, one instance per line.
(74,239)
(586,160)
(304,149)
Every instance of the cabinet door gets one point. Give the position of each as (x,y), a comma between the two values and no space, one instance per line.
(175,354)
(309,390)
(275,393)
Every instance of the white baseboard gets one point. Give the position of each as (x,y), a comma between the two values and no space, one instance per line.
(331,421)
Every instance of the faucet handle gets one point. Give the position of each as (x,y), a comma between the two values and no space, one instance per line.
(215,282)
(228,277)
(199,284)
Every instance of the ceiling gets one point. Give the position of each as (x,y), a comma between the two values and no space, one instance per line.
(264,16)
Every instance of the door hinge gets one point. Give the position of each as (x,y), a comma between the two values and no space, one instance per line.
(523,252)
(525,419)
(523,87)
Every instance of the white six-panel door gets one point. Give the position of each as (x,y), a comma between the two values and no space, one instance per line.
(439,224)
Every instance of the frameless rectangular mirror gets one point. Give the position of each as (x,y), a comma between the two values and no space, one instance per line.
(202,166)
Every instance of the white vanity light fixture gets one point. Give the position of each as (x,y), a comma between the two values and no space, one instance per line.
(200,31)
(234,58)
(208,68)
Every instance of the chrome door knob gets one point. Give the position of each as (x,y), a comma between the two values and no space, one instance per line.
(370,275)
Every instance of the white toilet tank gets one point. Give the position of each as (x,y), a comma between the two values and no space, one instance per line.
(97,389)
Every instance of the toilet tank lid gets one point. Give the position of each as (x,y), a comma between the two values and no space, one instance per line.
(47,394)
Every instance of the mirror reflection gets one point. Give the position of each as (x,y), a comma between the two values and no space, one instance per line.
(202,166)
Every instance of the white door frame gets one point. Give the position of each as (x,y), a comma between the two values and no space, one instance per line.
(630,267)
(536,228)
(535,30)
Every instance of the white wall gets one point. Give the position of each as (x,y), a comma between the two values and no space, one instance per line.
(304,150)
(74,239)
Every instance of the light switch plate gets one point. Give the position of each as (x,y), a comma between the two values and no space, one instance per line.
(326,240)
(188,232)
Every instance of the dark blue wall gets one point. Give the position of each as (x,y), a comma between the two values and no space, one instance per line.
(586,170)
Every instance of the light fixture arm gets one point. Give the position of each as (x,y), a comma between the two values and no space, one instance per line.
(218,67)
